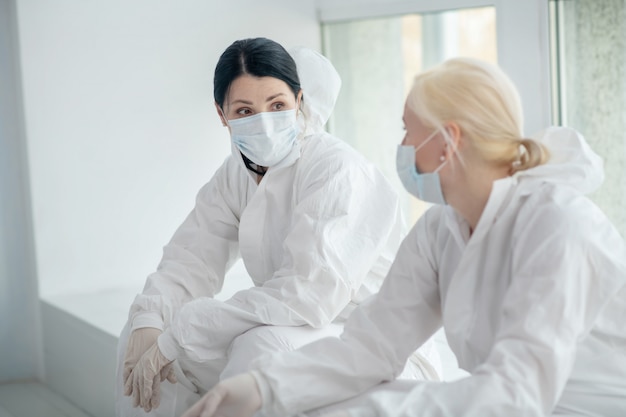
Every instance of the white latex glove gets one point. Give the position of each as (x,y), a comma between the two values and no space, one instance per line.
(139,342)
(144,382)
(238,396)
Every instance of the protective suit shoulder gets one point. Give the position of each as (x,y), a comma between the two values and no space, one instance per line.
(572,162)
(324,149)
(433,228)
(232,183)
(326,158)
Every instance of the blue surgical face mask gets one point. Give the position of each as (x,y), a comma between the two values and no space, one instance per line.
(426,185)
(265,138)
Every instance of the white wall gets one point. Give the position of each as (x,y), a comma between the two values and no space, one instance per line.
(20,340)
(121,126)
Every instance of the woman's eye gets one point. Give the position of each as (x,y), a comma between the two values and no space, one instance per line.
(278,106)
(244,112)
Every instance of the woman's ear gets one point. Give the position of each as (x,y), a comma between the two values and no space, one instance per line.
(220,113)
(455,134)
(299,100)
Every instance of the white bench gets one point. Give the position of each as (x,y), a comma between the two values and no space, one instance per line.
(80,333)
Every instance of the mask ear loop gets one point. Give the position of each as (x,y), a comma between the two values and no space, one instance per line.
(301,116)
(224,120)
(449,142)
(428,139)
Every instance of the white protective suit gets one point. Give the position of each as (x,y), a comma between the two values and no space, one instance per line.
(317,236)
(533,305)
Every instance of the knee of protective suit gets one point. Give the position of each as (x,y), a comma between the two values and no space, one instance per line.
(270,339)
(250,345)
(424,364)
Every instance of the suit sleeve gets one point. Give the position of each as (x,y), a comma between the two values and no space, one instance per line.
(195,260)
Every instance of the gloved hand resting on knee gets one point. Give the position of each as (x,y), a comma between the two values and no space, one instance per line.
(237,396)
(145,368)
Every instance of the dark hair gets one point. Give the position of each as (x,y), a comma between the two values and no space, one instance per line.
(260,57)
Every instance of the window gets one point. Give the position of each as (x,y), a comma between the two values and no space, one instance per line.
(589,76)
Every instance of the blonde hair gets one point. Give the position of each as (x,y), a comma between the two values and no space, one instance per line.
(485,104)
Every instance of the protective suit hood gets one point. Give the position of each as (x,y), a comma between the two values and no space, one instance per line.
(320,84)
(572,162)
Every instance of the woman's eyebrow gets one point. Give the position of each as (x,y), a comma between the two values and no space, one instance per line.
(249,103)
(270,98)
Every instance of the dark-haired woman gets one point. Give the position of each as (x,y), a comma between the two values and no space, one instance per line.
(316,225)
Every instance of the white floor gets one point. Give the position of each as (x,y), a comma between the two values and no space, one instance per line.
(33,399)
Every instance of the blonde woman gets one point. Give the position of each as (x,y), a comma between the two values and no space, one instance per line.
(526,275)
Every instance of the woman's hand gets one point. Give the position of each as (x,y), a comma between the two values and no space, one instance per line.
(238,396)
(144,381)
(139,342)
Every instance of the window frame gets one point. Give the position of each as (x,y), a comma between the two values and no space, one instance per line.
(523,41)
